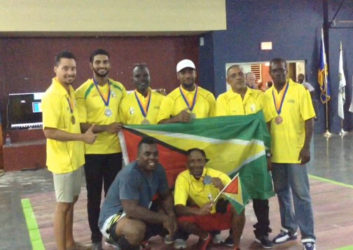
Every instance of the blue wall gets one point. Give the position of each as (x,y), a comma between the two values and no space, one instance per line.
(293,26)
(346,36)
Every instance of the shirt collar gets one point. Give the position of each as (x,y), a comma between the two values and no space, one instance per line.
(60,88)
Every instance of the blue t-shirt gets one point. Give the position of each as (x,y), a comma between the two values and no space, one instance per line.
(133,184)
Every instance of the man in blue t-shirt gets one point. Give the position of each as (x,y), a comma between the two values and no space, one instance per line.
(126,217)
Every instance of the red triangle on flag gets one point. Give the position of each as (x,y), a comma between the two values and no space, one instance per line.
(172,159)
(233,187)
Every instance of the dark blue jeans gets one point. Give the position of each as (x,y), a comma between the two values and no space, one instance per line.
(291,183)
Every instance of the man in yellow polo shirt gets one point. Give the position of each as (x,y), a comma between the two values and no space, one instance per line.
(142,105)
(289,113)
(243,100)
(195,189)
(98,102)
(65,149)
(189,100)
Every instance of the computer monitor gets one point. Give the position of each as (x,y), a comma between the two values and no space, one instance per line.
(24,110)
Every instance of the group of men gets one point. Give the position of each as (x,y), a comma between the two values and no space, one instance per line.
(81,129)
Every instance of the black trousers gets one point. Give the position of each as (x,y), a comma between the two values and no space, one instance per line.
(261,209)
(100,169)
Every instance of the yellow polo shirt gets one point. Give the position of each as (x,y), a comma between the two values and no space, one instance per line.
(62,156)
(188,188)
(91,110)
(130,112)
(174,103)
(287,138)
(231,103)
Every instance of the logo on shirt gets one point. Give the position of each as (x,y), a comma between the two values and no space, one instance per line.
(132,110)
(291,101)
(113,94)
(252,107)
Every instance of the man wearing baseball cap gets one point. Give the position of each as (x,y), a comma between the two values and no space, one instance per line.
(186,102)
(189,100)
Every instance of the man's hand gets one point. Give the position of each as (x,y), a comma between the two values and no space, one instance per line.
(183,116)
(304,155)
(206,209)
(217,183)
(114,127)
(89,137)
(170,224)
(161,91)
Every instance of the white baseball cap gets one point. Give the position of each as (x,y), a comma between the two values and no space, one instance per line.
(185,63)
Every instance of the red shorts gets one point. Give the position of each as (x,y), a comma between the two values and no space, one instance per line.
(210,222)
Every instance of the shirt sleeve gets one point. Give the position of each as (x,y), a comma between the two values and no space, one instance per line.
(122,111)
(181,191)
(220,106)
(51,107)
(163,182)
(268,110)
(165,109)
(129,188)
(81,105)
(306,106)
(212,103)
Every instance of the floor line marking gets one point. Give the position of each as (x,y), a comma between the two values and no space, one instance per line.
(345,248)
(331,181)
(32,226)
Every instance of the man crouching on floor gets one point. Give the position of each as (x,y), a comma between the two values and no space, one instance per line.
(127,218)
(195,189)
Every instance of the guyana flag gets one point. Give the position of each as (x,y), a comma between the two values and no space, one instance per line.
(235,194)
(233,144)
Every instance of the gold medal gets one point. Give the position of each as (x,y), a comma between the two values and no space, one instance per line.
(278,120)
(145,121)
(73,119)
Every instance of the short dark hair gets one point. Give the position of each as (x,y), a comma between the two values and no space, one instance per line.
(278,60)
(63,54)
(196,149)
(98,52)
(140,66)
(146,140)
(234,66)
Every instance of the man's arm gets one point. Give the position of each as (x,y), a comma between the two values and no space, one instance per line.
(167,203)
(304,154)
(56,134)
(110,128)
(183,116)
(135,211)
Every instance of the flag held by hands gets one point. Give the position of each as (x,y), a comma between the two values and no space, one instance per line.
(235,194)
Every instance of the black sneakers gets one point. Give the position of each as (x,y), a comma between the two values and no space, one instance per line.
(264,241)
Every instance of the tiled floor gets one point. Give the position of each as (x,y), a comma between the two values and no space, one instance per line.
(332,203)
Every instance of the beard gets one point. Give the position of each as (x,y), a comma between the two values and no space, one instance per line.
(101,74)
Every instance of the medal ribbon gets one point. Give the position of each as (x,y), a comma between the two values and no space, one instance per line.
(144,110)
(282,95)
(190,107)
(106,102)
(71,105)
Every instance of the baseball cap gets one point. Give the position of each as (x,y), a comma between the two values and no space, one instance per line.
(185,63)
